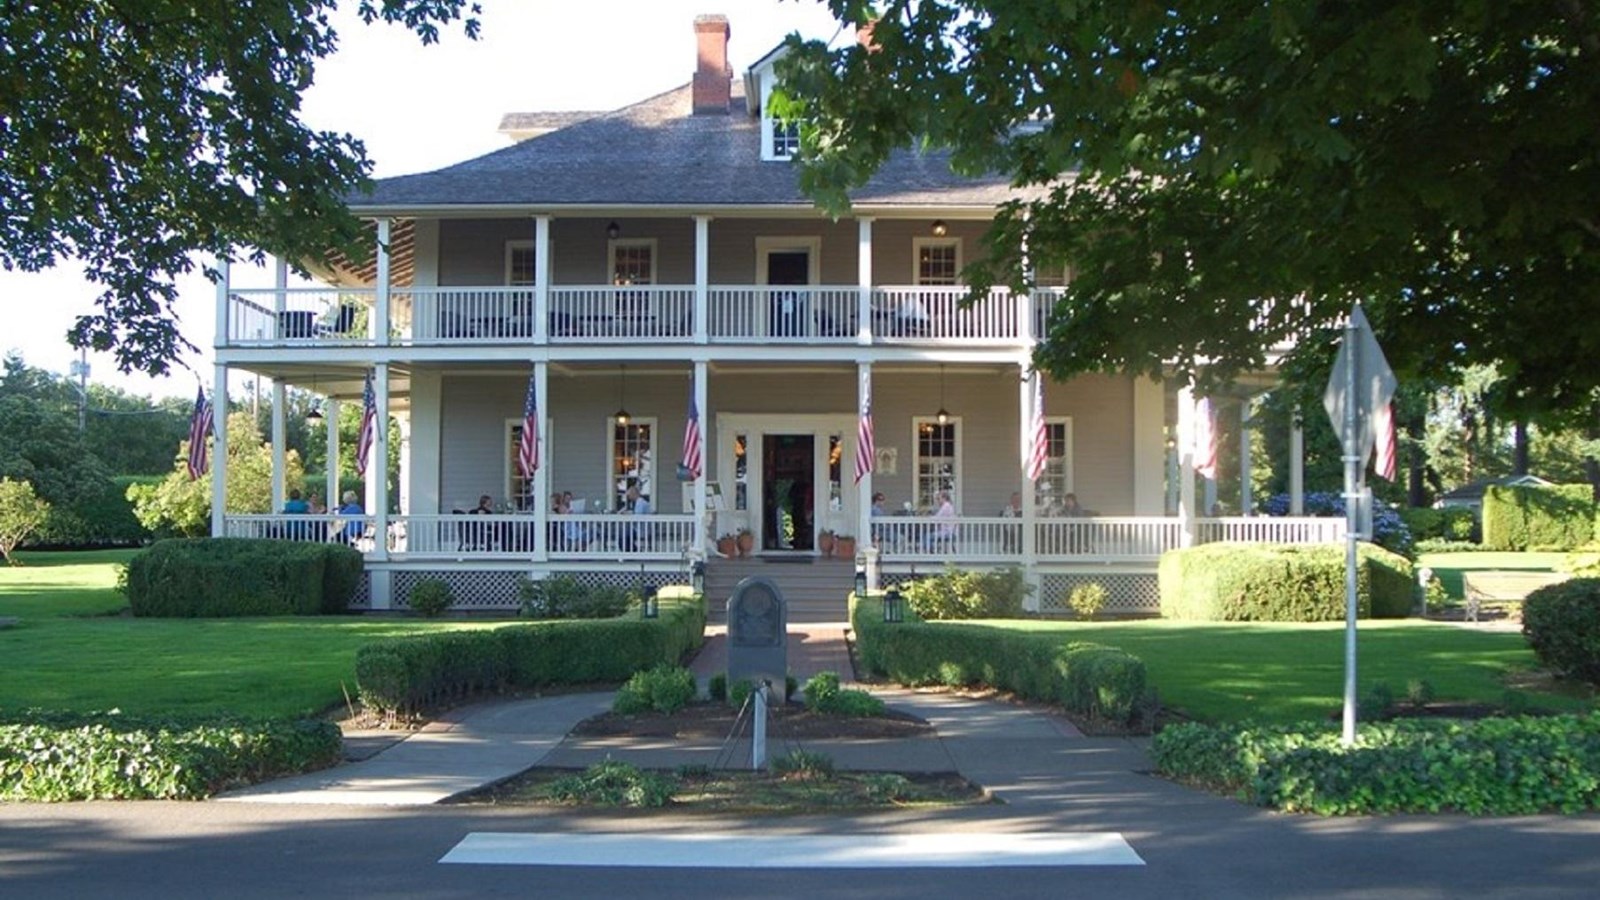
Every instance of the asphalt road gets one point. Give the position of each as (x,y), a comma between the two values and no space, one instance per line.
(1192,846)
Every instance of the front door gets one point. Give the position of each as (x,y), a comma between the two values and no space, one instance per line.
(788,491)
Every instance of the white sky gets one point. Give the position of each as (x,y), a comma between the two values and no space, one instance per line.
(419,108)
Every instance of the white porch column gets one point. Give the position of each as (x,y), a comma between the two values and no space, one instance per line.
(219,448)
(864,282)
(541,280)
(330,417)
(1030,488)
(1297,463)
(279,397)
(864,486)
(702,515)
(541,475)
(1186,435)
(380,318)
(1244,457)
(702,291)
(402,424)
(378,465)
(223,289)
(280,286)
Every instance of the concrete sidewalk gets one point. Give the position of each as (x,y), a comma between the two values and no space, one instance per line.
(1024,754)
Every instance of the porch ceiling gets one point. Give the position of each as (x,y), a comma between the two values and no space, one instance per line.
(343,383)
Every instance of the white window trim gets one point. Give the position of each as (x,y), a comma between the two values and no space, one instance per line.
(917,243)
(612,245)
(609,491)
(811,244)
(916,455)
(546,427)
(511,248)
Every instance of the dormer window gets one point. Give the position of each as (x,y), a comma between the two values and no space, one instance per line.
(785,138)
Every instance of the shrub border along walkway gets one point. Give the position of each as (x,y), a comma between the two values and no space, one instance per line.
(1499,766)
(1092,679)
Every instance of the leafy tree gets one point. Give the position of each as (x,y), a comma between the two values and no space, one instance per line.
(1438,161)
(42,446)
(130,434)
(182,506)
(21,514)
(136,134)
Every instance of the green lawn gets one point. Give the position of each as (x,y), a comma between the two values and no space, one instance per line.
(1451,566)
(1288,672)
(71,652)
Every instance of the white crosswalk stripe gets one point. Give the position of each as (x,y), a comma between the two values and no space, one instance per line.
(745,851)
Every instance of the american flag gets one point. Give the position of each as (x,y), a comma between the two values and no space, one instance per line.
(865,451)
(1039,445)
(369,429)
(1384,462)
(199,429)
(528,444)
(1205,438)
(691,441)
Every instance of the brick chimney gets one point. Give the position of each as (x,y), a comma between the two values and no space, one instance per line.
(713,79)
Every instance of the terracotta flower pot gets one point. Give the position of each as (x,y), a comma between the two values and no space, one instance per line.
(825,543)
(727,546)
(747,543)
(844,547)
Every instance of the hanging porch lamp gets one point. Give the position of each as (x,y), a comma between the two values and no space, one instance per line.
(621,415)
(315,415)
(943,415)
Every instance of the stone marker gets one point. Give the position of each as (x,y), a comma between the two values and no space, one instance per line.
(758,635)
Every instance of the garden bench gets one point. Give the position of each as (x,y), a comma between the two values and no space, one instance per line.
(1502,588)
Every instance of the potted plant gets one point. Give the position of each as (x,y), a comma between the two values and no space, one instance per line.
(727,545)
(844,546)
(746,542)
(825,542)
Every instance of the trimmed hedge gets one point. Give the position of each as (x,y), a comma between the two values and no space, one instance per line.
(1501,766)
(404,675)
(1281,583)
(56,757)
(1533,517)
(1562,625)
(186,578)
(1449,523)
(1086,678)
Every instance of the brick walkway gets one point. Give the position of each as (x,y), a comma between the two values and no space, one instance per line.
(812,649)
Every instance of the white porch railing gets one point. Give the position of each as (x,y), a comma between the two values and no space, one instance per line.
(1106,538)
(606,314)
(781,313)
(598,537)
(1271,529)
(620,536)
(972,538)
(309,316)
(935,313)
(354,530)
(470,314)
(1044,304)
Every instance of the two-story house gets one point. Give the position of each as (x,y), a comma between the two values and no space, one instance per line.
(614,275)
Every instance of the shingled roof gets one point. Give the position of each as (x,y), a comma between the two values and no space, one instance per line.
(655,153)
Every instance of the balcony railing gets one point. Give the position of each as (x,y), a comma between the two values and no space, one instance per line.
(1098,538)
(609,314)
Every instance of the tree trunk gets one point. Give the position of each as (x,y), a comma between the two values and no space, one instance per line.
(1416,462)
(1519,452)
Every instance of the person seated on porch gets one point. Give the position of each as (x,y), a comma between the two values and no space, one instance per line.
(354,528)
(294,506)
(877,512)
(485,506)
(314,505)
(1070,507)
(634,504)
(1012,510)
(943,535)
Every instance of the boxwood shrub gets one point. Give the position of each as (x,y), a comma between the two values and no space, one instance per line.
(241,577)
(109,756)
(406,675)
(1498,766)
(1087,678)
(1529,517)
(1281,583)
(1562,625)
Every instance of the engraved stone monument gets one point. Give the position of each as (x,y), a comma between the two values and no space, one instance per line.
(758,626)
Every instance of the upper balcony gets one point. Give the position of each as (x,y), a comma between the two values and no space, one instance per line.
(653,314)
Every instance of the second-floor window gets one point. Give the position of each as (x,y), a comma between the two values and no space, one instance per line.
(519,262)
(938,260)
(633,261)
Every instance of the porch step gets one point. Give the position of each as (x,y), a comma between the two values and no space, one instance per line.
(815,590)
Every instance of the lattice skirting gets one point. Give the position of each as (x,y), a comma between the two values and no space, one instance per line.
(496,589)
(362,598)
(1127,593)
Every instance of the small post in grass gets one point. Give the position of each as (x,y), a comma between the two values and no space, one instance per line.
(893,606)
(861,583)
(650,607)
(697,577)
(758,738)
